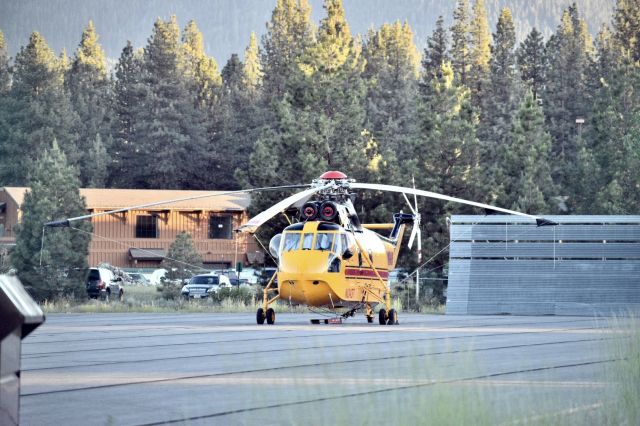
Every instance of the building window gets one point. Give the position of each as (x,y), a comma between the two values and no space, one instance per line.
(147,227)
(220,227)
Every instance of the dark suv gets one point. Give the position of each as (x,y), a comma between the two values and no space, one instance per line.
(103,284)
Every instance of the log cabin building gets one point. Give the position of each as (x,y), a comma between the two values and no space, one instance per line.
(141,238)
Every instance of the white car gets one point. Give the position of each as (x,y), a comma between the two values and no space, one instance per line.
(201,286)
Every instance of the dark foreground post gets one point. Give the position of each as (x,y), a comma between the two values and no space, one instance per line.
(19,316)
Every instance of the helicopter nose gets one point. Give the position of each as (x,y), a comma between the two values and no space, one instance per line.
(304,262)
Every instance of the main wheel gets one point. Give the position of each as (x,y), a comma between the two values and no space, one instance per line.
(393,317)
(382,316)
(271,316)
(260,316)
(369,319)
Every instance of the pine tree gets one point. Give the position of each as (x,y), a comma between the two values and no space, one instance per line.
(564,97)
(172,133)
(499,100)
(435,55)
(37,110)
(129,100)
(626,24)
(200,71)
(460,41)
(604,178)
(5,69)
(479,55)
(334,90)
(239,122)
(391,73)
(252,68)
(289,34)
(334,43)
(90,90)
(531,59)
(54,195)
(183,260)
(525,174)
(5,101)
(446,155)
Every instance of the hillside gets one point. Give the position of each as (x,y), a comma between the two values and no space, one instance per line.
(226,24)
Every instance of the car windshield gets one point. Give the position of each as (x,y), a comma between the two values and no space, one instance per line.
(94,274)
(210,280)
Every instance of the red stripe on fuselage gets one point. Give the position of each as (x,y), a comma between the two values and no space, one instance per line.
(365,273)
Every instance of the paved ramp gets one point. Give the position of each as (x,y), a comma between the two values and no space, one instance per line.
(136,369)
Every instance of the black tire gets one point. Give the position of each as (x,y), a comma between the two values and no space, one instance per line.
(382,316)
(271,316)
(107,295)
(393,317)
(260,316)
(121,296)
(369,319)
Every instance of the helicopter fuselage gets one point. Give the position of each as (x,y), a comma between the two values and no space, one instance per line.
(323,264)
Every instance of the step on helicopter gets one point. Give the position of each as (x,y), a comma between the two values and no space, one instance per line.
(328,259)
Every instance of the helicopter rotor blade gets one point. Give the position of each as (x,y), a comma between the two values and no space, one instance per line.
(67,221)
(392,188)
(264,216)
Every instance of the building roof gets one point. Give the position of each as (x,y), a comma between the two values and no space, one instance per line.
(108,199)
(147,254)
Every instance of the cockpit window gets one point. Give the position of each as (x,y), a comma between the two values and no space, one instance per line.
(291,241)
(324,241)
(307,242)
(341,244)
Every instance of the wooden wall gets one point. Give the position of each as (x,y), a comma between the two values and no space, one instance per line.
(9,218)
(115,234)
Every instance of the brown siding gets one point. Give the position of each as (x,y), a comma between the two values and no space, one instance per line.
(11,218)
(114,235)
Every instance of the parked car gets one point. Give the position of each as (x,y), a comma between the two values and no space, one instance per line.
(139,279)
(103,284)
(201,286)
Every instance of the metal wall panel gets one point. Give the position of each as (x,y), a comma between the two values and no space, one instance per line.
(586,265)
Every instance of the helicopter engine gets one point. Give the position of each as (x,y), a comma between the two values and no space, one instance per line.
(326,211)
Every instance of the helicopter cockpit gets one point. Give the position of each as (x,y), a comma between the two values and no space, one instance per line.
(314,237)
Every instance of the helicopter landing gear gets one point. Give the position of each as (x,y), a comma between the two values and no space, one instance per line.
(393,317)
(271,316)
(388,318)
(369,313)
(267,313)
(382,316)
(260,316)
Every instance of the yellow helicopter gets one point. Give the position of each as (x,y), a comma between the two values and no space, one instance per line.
(328,259)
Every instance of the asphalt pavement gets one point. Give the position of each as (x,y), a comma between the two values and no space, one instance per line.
(142,369)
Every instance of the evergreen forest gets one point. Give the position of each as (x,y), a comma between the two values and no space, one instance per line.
(545,125)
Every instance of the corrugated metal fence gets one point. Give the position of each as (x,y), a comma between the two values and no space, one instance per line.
(586,265)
